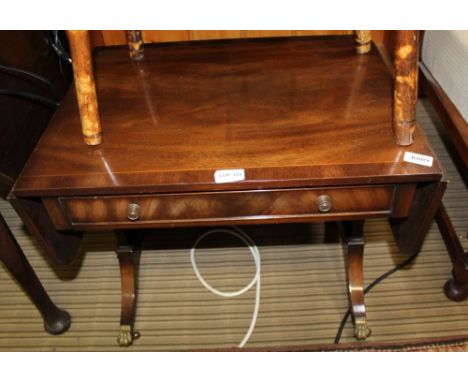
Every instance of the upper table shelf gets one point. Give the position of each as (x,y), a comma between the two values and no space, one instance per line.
(292,112)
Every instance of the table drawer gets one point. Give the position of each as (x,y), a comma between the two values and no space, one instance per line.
(233,207)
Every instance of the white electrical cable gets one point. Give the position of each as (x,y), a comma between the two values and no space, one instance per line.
(235,231)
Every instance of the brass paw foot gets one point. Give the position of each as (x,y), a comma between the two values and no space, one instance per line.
(361,331)
(126,336)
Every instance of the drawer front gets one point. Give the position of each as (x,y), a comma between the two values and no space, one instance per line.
(236,207)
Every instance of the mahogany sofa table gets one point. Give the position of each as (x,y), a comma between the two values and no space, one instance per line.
(307,119)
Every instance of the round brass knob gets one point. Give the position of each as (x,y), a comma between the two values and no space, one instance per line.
(324,203)
(133,211)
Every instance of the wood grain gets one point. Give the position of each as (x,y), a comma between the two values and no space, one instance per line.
(238,207)
(293,112)
(303,287)
(115,37)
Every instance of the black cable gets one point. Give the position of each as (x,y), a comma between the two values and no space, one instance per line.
(34,76)
(368,289)
(59,49)
(30,97)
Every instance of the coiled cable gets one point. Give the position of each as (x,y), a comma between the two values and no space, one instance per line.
(235,231)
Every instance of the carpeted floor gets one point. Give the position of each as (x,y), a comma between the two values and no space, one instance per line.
(303,292)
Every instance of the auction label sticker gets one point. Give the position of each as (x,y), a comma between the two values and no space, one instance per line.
(229,176)
(423,160)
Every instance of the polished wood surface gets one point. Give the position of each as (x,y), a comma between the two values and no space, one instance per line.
(83,72)
(308,119)
(135,37)
(292,112)
(406,86)
(117,37)
(233,207)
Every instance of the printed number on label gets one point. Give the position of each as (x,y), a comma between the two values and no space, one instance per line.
(228,176)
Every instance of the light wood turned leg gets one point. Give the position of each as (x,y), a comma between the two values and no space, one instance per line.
(128,252)
(363,39)
(354,245)
(135,45)
(406,86)
(456,288)
(85,86)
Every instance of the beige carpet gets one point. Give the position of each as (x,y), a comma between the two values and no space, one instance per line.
(303,294)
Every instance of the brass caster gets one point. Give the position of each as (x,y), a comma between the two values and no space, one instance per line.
(126,336)
(361,331)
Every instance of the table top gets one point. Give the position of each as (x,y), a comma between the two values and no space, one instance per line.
(292,112)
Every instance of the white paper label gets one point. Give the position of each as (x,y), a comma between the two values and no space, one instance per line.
(228,176)
(423,160)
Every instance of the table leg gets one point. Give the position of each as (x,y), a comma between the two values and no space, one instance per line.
(85,86)
(56,321)
(135,44)
(363,39)
(456,288)
(406,86)
(354,246)
(128,251)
